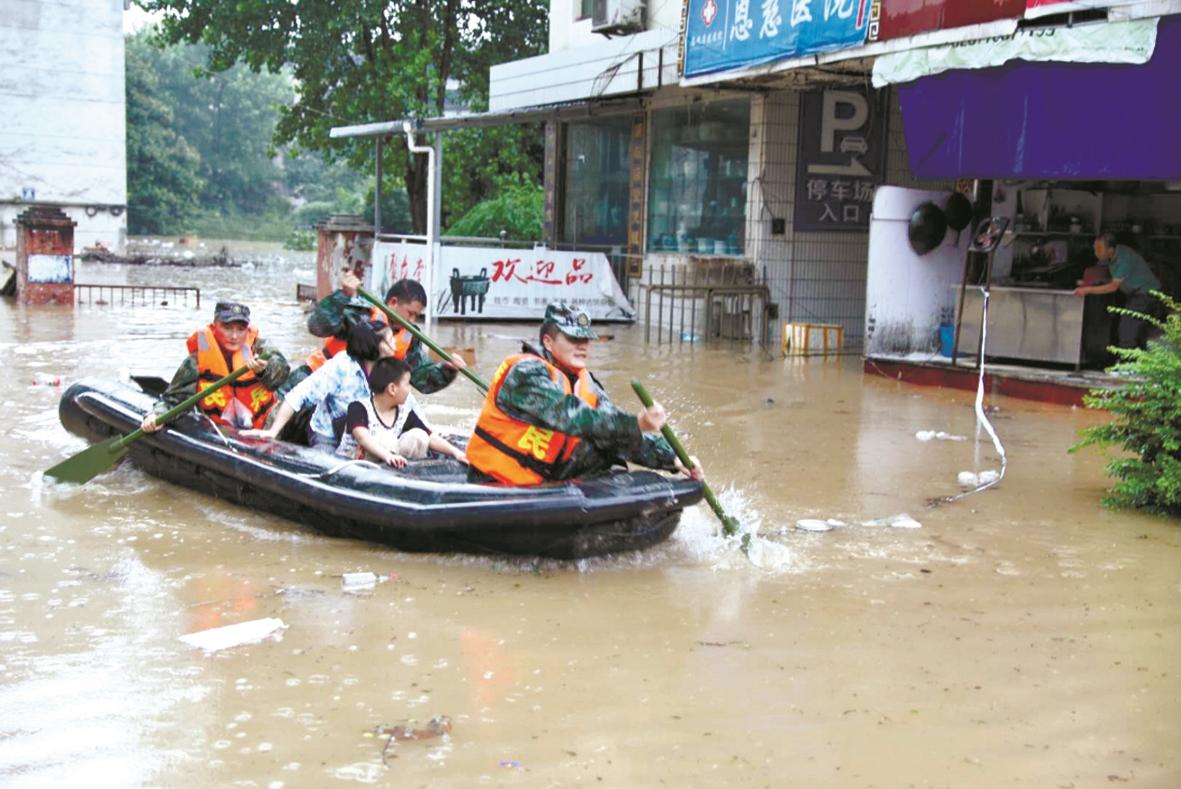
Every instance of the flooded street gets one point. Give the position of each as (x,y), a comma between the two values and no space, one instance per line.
(1021,637)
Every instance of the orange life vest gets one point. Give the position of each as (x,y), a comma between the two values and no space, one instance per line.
(515,452)
(333,345)
(243,401)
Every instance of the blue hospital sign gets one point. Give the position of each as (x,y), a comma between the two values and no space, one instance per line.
(727,34)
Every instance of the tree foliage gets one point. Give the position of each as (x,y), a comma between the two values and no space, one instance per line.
(163,185)
(357,61)
(1146,421)
(188,128)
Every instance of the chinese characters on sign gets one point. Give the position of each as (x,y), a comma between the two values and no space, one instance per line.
(541,271)
(481,282)
(730,34)
(841,158)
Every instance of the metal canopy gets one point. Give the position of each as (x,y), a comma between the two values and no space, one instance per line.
(547,112)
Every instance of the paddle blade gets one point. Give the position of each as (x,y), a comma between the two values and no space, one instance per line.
(150,384)
(90,462)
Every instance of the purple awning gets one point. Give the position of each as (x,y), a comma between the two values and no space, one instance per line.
(1064,121)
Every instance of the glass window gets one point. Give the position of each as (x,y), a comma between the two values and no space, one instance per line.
(595,208)
(697,179)
(585,8)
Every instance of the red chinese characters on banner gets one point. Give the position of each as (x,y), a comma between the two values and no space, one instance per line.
(543,272)
(405,269)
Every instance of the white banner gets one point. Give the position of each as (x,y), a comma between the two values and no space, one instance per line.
(1038,8)
(1115,42)
(494,283)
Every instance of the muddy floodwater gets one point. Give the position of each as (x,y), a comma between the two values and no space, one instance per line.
(1020,637)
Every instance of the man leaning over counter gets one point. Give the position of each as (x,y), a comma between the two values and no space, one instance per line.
(1131,276)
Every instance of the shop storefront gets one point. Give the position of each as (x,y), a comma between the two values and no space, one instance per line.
(697,178)
(1060,169)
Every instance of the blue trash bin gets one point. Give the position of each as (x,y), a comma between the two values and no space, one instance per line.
(946,339)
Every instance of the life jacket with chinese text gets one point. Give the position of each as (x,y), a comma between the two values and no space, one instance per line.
(334,345)
(245,401)
(516,452)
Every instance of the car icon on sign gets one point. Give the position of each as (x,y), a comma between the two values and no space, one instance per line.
(854,144)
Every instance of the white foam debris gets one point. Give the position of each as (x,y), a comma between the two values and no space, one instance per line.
(813,524)
(900,521)
(970,479)
(218,638)
(929,435)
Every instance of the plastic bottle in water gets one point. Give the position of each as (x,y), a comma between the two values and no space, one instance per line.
(46,379)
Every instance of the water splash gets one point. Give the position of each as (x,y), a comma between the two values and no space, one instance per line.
(700,538)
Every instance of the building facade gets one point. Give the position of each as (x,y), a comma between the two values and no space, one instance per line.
(674,176)
(63,142)
(725,133)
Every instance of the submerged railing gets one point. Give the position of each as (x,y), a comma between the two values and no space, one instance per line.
(158,295)
(704,299)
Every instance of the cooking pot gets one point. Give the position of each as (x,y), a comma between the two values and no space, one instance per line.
(928,227)
(959,211)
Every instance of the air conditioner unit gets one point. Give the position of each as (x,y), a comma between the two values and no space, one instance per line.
(611,17)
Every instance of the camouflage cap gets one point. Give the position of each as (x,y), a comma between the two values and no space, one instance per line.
(571,321)
(231,312)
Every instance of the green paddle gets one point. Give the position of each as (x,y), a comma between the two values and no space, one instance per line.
(92,461)
(729,525)
(427,341)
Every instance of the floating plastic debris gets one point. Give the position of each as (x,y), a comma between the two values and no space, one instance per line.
(358,582)
(815,524)
(45,379)
(218,638)
(930,435)
(435,727)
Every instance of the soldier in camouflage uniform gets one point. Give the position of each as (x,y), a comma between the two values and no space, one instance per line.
(331,317)
(232,338)
(546,417)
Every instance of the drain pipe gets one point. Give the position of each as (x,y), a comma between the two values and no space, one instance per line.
(408,129)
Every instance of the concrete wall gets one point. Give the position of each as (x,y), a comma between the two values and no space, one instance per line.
(64,129)
(907,295)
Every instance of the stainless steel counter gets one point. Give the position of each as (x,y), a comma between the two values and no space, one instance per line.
(1037,324)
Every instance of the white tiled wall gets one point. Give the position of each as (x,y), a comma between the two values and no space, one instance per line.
(813,277)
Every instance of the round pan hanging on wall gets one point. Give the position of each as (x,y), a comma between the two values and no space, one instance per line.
(928,227)
(958,210)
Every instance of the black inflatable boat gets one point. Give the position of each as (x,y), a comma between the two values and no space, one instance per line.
(429,506)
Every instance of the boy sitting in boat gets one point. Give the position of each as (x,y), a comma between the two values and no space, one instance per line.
(545,417)
(333,315)
(216,350)
(387,426)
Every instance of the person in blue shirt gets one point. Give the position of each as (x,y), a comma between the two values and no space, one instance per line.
(1132,277)
(329,390)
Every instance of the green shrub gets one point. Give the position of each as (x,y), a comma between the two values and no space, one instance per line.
(1146,420)
(301,238)
(517,210)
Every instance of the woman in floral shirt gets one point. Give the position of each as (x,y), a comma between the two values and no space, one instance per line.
(343,379)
